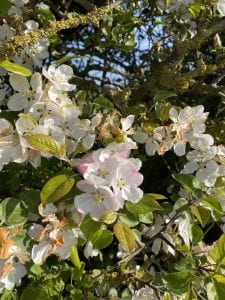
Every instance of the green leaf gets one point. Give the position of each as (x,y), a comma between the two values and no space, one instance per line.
(55,188)
(145,205)
(44,143)
(125,236)
(45,15)
(109,217)
(187,264)
(15,68)
(5,6)
(69,58)
(74,256)
(190,183)
(215,205)
(195,9)
(196,234)
(201,213)
(12,212)
(9,295)
(146,218)
(166,296)
(89,226)
(103,102)
(131,219)
(130,43)
(157,196)
(101,238)
(216,288)
(76,294)
(180,203)
(177,282)
(31,199)
(164,94)
(218,251)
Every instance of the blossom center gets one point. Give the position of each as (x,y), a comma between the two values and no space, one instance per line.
(121,183)
(98,197)
(103,172)
(29,94)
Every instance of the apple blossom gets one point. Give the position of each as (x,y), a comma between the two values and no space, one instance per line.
(95,200)
(28,93)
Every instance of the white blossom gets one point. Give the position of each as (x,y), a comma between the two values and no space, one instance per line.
(28,93)
(11,273)
(59,77)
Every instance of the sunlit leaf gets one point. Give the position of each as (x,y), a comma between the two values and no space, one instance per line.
(57,187)
(125,236)
(44,143)
(15,68)
(74,256)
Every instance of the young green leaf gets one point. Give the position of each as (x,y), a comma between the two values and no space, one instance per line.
(57,187)
(15,68)
(201,213)
(89,226)
(44,143)
(101,238)
(74,256)
(145,205)
(103,102)
(218,251)
(196,234)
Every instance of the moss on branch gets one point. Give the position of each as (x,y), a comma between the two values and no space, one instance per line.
(21,41)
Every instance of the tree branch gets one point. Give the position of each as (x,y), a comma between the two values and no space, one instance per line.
(12,47)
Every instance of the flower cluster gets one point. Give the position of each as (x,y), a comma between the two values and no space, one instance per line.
(12,267)
(110,179)
(54,238)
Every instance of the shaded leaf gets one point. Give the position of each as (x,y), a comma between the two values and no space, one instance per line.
(103,102)
(164,94)
(201,213)
(89,226)
(101,238)
(177,282)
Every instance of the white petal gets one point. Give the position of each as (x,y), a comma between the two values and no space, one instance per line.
(65,70)
(180,148)
(221,7)
(19,83)
(88,141)
(86,186)
(35,231)
(36,82)
(140,137)
(127,122)
(190,167)
(40,252)
(17,102)
(173,114)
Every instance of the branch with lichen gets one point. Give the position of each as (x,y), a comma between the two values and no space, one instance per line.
(166,74)
(13,47)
